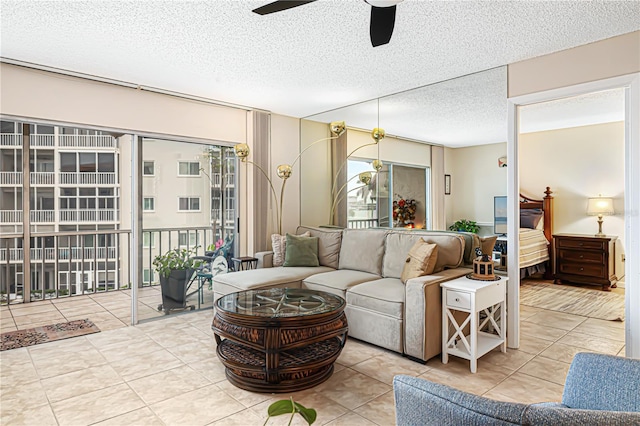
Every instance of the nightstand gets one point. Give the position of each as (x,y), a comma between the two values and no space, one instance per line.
(484,302)
(585,259)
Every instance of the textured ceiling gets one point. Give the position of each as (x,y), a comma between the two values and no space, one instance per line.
(303,61)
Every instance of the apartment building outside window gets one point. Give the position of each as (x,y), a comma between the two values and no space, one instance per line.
(148,240)
(149,204)
(79,181)
(148,168)
(187,239)
(188,168)
(186,204)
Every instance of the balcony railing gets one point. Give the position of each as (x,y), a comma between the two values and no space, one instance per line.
(42,178)
(73,141)
(42,216)
(42,140)
(88,215)
(10,216)
(7,139)
(10,178)
(216,179)
(362,223)
(229,215)
(71,268)
(87,178)
(87,141)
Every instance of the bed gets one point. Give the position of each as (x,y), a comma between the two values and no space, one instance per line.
(536,233)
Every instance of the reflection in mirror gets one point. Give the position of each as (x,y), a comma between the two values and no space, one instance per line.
(424,127)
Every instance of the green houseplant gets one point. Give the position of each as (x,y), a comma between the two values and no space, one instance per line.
(175,267)
(465,225)
(290,407)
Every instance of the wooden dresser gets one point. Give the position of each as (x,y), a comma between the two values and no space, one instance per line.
(585,259)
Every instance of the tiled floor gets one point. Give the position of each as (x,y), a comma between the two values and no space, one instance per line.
(165,371)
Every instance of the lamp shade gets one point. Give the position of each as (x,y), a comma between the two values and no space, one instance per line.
(600,205)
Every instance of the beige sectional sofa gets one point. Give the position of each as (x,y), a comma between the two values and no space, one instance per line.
(364,267)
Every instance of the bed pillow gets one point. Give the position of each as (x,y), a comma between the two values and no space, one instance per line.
(530,218)
(421,260)
(487,244)
(301,251)
(279,245)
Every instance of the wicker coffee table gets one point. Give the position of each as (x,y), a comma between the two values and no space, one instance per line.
(279,340)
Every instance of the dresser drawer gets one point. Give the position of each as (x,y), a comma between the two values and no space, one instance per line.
(581,256)
(458,299)
(583,244)
(589,270)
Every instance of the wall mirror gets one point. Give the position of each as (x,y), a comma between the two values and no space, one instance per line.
(461,112)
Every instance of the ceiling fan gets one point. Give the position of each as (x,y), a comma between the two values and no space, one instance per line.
(383,16)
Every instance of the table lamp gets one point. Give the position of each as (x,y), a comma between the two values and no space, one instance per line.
(600,206)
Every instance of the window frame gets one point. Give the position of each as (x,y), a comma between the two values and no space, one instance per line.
(189,163)
(148,243)
(189,200)
(153,204)
(153,169)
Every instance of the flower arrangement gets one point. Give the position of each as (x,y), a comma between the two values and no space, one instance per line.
(404,212)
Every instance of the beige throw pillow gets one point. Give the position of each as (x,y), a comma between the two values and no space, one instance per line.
(421,260)
(279,247)
(487,244)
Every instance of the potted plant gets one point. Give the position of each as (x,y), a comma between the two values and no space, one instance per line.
(175,267)
(465,226)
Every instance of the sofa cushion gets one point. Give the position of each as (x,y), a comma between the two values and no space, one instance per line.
(279,245)
(337,282)
(421,260)
(301,251)
(385,295)
(264,278)
(362,250)
(398,243)
(329,240)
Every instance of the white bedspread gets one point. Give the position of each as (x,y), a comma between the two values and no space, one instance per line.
(533,247)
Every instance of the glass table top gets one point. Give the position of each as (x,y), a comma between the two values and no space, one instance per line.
(280,302)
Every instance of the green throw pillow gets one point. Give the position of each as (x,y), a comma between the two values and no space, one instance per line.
(301,251)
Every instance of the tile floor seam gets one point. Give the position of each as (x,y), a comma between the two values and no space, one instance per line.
(536,377)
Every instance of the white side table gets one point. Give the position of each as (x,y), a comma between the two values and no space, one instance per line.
(472,296)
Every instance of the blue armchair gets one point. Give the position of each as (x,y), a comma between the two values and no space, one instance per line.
(599,390)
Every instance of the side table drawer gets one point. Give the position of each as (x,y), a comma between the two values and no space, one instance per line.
(582,269)
(458,299)
(583,244)
(582,256)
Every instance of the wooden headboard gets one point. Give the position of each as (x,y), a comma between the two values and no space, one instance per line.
(546,204)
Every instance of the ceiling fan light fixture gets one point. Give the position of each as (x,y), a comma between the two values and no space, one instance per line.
(383,3)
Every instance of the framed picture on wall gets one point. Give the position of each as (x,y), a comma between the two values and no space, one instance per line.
(447,184)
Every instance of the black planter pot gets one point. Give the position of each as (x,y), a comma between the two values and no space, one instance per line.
(174,290)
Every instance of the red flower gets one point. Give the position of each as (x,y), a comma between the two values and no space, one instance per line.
(401,203)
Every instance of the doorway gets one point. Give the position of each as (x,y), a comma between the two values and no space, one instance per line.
(631,86)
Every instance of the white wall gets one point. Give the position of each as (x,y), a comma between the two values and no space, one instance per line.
(475,180)
(392,149)
(285,146)
(315,174)
(36,94)
(578,163)
(612,57)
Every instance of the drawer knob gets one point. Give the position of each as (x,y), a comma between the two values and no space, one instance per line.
(457,299)
(582,269)
(581,256)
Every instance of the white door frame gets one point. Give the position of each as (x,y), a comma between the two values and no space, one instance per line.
(631,85)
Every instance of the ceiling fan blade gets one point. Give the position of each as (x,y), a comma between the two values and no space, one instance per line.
(383,20)
(280,5)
